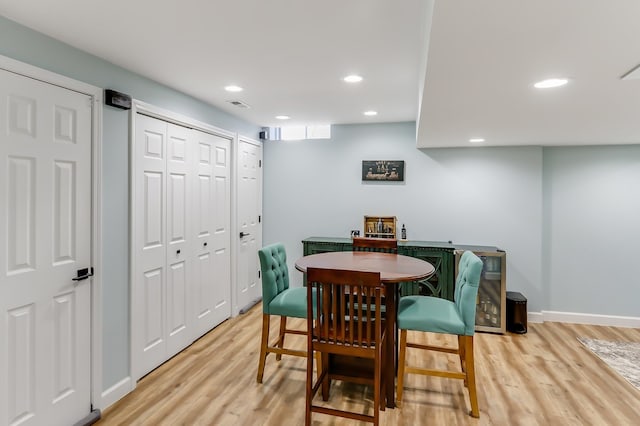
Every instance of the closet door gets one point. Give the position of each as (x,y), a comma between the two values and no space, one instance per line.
(179,256)
(222,229)
(150,245)
(212,206)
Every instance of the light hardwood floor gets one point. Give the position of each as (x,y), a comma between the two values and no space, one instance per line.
(544,377)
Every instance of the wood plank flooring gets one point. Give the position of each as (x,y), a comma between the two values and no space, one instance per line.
(544,377)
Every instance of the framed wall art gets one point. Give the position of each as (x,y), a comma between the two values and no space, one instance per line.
(383,170)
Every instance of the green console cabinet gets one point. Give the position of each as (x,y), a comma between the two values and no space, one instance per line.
(440,255)
(443,256)
(316,245)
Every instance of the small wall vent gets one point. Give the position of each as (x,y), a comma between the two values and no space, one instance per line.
(239,104)
(634,73)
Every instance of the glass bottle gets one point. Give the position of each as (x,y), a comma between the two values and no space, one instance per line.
(403,232)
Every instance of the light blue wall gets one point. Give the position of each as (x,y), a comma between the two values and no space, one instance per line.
(592,229)
(567,217)
(25,45)
(484,196)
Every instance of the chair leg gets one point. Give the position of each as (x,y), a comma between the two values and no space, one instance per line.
(471,375)
(263,346)
(461,354)
(383,382)
(283,327)
(401,360)
(326,382)
(309,386)
(377,388)
(318,365)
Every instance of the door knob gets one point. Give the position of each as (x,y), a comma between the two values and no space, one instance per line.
(244,234)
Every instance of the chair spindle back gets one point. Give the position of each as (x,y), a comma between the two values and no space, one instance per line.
(383,245)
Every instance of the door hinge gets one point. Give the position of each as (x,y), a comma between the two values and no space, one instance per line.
(259,218)
(258,273)
(259,163)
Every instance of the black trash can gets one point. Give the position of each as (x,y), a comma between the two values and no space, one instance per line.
(516,312)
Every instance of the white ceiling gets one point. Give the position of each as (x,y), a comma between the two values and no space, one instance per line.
(460,68)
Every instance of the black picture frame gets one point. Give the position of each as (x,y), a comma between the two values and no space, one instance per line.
(383,170)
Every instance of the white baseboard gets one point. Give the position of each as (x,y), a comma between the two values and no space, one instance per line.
(116,392)
(577,318)
(536,317)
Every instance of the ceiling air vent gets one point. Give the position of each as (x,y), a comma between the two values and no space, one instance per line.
(239,104)
(633,74)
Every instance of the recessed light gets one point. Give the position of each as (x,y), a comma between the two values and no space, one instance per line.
(233,88)
(370,113)
(476,140)
(282,117)
(353,78)
(551,82)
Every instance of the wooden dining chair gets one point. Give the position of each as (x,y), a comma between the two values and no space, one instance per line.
(278,299)
(436,315)
(381,245)
(348,334)
(384,245)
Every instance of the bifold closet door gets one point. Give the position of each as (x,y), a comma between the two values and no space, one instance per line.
(212,218)
(180,238)
(163,264)
(181,284)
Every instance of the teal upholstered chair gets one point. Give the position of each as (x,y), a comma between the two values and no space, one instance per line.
(278,299)
(435,315)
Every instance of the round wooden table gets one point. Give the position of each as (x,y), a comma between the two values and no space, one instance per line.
(394,269)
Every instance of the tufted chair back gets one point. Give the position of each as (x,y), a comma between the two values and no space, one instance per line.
(466,292)
(275,273)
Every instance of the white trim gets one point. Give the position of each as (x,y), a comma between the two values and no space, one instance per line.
(49,77)
(96,261)
(132,259)
(116,392)
(235,146)
(591,319)
(139,107)
(17,67)
(535,317)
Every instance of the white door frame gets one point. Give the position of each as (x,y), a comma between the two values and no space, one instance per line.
(140,107)
(95,93)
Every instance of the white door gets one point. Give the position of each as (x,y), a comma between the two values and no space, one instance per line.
(45,238)
(150,275)
(179,259)
(248,289)
(212,219)
(163,183)
(181,283)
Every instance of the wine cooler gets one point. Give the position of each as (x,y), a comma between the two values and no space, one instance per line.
(491,308)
